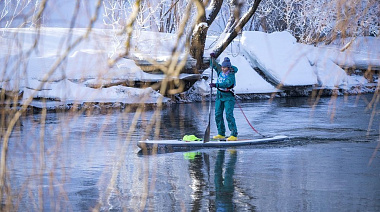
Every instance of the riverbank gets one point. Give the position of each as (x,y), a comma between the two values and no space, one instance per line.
(189,96)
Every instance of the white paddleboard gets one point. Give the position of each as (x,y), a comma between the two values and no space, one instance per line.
(151,144)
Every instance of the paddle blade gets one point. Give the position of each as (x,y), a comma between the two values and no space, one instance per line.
(206,137)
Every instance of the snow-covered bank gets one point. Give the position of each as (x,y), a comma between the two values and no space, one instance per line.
(280,57)
(357,53)
(294,64)
(85,75)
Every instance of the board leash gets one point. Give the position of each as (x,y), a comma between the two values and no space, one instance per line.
(241,109)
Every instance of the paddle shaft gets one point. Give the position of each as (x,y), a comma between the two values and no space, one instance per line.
(206,137)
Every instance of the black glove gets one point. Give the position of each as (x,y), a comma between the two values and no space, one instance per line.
(212,85)
(212,55)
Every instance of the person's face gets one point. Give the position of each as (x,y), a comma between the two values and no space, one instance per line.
(224,69)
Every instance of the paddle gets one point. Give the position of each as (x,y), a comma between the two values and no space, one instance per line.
(206,137)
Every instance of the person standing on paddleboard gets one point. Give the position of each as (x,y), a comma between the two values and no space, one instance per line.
(225,98)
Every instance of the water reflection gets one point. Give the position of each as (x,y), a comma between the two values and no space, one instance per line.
(224,184)
(221,191)
(196,168)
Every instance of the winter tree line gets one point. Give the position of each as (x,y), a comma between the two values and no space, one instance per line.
(309,21)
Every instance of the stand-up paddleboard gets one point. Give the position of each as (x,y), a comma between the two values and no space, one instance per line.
(169,144)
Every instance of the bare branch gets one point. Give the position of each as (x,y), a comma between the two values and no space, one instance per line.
(237,28)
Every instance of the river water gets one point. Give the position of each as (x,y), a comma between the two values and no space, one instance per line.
(89,160)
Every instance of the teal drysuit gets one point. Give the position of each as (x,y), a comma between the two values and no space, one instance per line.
(225,100)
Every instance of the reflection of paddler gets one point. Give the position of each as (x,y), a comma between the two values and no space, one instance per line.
(197,161)
(225,186)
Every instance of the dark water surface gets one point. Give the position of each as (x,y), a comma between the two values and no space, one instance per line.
(78,162)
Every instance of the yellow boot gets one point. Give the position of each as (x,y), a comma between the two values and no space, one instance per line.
(218,137)
(232,138)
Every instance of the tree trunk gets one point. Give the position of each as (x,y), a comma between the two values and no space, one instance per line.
(198,38)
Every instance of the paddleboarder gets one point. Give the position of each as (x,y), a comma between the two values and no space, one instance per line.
(225,99)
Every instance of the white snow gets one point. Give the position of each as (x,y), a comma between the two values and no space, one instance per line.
(82,76)
(66,90)
(279,55)
(360,52)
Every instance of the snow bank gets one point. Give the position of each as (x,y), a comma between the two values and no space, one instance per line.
(294,64)
(86,65)
(329,74)
(360,53)
(278,56)
(153,45)
(65,90)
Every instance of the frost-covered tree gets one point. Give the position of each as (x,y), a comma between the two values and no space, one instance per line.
(13,13)
(316,21)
